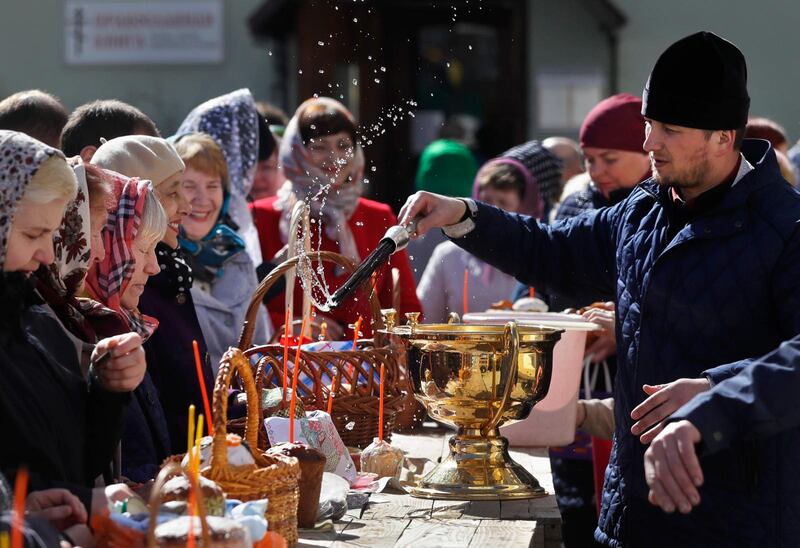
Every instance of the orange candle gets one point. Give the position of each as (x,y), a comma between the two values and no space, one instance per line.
(466,290)
(285,356)
(20,492)
(296,373)
(199,367)
(380,408)
(356,331)
(531,292)
(190,542)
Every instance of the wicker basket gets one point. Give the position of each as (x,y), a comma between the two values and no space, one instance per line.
(272,477)
(355,404)
(169,470)
(110,534)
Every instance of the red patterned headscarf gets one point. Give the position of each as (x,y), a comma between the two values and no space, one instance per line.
(108,279)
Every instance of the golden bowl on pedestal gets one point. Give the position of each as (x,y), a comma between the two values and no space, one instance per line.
(475,377)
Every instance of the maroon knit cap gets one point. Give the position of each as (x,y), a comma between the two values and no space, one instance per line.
(616,123)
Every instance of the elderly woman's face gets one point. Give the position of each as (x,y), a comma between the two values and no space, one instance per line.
(145,265)
(30,242)
(173,199)
(332,154)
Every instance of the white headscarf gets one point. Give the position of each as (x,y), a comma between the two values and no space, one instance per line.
(331,202)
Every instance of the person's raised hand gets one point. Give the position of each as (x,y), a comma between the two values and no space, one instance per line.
(663,401)
(58,506)
(125,368)
(672,469)
(436,211)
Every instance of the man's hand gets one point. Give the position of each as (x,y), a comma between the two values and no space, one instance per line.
(672,469)
(664,400)
(58,506)
(126,367)
(436,210)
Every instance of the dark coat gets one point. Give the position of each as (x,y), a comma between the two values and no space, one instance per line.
(170,357)
(64,428)
(145,439)
(725,288)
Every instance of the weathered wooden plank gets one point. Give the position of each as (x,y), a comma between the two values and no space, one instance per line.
(507,533)
(390,519)
(482,509)
(439,533)
(384,505)
(542,509)
(448,509)
(372,533)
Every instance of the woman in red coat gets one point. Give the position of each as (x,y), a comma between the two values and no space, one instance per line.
(324,166)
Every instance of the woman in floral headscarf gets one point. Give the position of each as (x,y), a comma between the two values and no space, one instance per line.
(63,426)
(136,223)
(76,244)
(324,166)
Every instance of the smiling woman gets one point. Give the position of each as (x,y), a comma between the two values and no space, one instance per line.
(225,278)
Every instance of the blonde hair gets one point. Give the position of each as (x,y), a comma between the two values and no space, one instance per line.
(54,180)
(154,220)
(199,151)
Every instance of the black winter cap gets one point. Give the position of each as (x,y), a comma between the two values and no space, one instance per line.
(700,82)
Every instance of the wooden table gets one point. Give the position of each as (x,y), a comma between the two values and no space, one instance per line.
(401,520)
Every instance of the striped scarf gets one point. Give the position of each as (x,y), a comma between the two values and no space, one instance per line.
(108,279)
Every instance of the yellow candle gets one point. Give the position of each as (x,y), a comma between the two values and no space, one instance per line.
(190,437)
(199,436)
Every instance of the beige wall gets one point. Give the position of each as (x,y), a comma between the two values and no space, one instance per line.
(31,56)
(563,37)
(766,31)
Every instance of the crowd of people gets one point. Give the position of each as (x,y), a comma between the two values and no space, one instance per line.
(120,248)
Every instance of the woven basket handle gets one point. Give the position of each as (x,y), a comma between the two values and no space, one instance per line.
(156,493)
(233,360)
(246,338)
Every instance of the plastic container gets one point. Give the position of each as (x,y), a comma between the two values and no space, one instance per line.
(552,420)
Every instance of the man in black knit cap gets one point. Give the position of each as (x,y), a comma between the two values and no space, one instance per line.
(703,261)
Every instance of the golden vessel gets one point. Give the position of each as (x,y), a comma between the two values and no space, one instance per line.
(475,377)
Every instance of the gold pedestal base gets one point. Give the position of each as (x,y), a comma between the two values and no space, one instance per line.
(478,468)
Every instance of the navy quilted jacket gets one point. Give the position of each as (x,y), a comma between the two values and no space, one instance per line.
(726,288)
